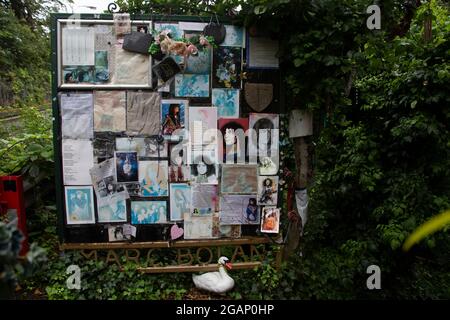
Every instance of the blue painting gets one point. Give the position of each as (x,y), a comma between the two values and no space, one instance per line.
(113,212)
(227,102)
(234,36)
(172,28)
(79,205)
(180,200)
(148,212)
(192,85)
(199,64)
(153,176)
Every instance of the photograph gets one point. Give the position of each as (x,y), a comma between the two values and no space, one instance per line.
(230,231)
(239,179)
(202,171)
(115,211)
(116,233)
(192,85)
(267,190)
(78,74)
(180,200)
(153,176)
(148,212)
(179,171)
(174,115)
(79,205)
(148,147)
(238,209)
(227,67)
(101,66)
(203,125)
(266,126)
(199,227)
(126,167)
(227,102)
(270,220)
(234,141)
(235,36)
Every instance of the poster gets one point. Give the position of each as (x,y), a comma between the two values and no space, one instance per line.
(203,125)
(270,220)
(204,199)
(204,170)
(239,179)
(77,110)
(227,102)
(265,141)
(109,111)
(78,46)
(234,141)
(180,200)
(192,85)
(153,176)
(148,212)
(238,209)
(126,167)
(113,212)
(78,159)
(267,190)
(79,205)
(227,67)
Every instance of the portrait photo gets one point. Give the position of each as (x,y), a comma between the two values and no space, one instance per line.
(238,209)
(267,190)
(180,200)
(174,115)
(270,220)
(126,167)
(153,177)
(79,205)
(202,171)
(115,233)
(148,212)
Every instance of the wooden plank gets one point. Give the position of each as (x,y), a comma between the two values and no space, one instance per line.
(197,268)
(163,244)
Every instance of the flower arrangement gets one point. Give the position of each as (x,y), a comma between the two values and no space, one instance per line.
(164,44)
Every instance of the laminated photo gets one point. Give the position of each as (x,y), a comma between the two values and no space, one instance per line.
(267,190)
(227,67)
(204,171)
(109,111)
(199,227)
(238,209)
(238,179)
(79,205)
(270,220)
(116,233)
(148,212)
(204,200)
(192,85)
(227,102)
(174,116)
(126,167)
(153,176)
(180,200)
(113,212)
(235,36)
(148,147)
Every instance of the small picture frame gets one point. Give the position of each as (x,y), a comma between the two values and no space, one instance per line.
(270,220)
(79,205)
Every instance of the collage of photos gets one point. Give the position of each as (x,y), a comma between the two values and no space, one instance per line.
(181,156)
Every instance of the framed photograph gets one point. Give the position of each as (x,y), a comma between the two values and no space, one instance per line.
(239,179)
(238,209)
(180,200)
(116,233)
(227,102)
(174,116)
(204,171)
(192,85)
(90,55)
(267,190)
(126,167)
(148,147)
(79,205)
(233,148)
(148,212)
(204,200)
(115,211)
(270,220)
(153,176)
(227,67)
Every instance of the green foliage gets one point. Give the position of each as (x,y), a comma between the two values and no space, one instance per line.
(30,151)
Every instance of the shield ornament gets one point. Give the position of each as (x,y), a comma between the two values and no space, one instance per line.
(258,95)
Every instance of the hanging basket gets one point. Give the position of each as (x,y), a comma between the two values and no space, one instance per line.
(216,30)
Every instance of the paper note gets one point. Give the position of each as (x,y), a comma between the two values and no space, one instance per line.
(77,116)
(78,46)
(78,159)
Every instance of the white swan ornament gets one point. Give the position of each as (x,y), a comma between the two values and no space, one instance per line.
(217,282)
